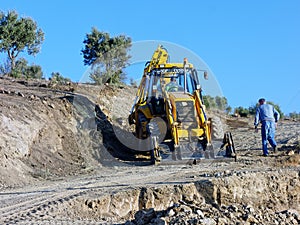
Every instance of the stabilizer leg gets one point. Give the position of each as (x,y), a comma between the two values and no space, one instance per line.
(229,145)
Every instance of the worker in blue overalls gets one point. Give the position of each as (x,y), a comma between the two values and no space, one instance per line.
(268,116)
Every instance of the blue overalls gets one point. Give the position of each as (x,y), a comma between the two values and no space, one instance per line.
(268,116)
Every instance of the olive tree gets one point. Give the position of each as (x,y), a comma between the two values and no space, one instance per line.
(216,102)
(19,35)
(107,55)
(221,102)
(23,70)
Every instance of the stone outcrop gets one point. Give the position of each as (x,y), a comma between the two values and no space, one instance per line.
(246,197)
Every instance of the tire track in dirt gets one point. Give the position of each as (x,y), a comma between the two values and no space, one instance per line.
(35,206)
(36,203)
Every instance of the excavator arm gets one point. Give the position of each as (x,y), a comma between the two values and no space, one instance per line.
(160,56)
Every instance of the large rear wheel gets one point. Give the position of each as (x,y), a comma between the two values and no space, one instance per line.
(217,132)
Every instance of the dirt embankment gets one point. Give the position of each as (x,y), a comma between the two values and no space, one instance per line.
(58,164)
(47,132)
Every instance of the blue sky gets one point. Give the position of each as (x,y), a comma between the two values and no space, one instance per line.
(252,47)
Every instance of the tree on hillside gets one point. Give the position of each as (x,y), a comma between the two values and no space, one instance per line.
(216,102)
(221,102)
(20,68)
(228,109)
(294,115)
(18,35)
(56,77)
(34,71)
(241,111)
(209,102)
(107,55)
(252,109)
(23,70)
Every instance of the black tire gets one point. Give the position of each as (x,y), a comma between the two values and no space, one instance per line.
(217,132)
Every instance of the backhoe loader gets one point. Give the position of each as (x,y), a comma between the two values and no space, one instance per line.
(170,113)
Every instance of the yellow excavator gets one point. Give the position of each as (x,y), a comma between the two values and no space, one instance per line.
(170,113)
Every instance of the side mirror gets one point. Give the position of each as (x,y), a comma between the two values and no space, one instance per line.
(205,75)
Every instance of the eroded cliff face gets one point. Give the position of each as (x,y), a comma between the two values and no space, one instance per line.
(38,134)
